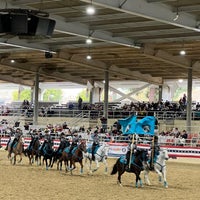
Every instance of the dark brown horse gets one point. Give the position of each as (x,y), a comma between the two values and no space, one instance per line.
(75,156)
(16,150)
(47,152)
(136,166)
(33,151)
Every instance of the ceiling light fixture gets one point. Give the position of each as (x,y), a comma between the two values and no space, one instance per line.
(12,61)
(180,80)
(90,10)
(88,41)
(88,57)
(182,52)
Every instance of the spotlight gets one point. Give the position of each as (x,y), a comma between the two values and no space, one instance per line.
(180,80)
(88,57)
(90,10)
(88,41)
(12,61)
(182,52)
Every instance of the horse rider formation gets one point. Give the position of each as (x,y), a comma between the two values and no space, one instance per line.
(135,160)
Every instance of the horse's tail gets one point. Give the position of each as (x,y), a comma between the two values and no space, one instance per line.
(114,170)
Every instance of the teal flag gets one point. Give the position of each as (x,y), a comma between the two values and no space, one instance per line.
(145,126)
(128,124)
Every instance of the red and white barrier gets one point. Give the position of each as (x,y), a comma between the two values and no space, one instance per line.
(118,149)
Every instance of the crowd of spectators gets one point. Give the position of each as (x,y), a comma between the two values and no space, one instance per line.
(160,109)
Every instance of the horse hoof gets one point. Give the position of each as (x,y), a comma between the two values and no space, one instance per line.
(119,184)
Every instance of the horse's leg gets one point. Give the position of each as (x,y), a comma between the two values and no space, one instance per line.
(53,160)
(106,166)
(97,165)
(137,174)
(81,164)
(14,159)
(39,160)
(146,176)
(67,167)
(46,161)
(58,162)
(164,178)
(72,163)
(29,157)
(20,155)
(50,160)
(121,170)
(90,166)
(157,170)
(9,154)
(138,179)
(32,158)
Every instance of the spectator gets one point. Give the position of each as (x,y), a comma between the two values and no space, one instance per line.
(104,124)
(80,101)
(184,135)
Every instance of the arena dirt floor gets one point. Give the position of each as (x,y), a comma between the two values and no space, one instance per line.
(24,182)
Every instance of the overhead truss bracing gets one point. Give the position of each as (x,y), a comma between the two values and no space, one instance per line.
(133,40)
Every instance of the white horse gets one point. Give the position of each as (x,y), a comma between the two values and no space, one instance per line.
(100,156)
(159,168)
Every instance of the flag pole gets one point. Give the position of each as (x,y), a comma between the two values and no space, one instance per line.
(152,151)
(132,143)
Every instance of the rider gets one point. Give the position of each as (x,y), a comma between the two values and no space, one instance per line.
(95,143)
(34,138)
(75,140)
(64,142)
(18,134)
(47,139)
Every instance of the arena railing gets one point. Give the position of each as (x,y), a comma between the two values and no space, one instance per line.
(192,141)
(95,114)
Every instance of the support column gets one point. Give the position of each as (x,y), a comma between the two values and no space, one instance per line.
(32,95)
(106,87)
(189,100)
(160,89)
(91,96)
(36,91)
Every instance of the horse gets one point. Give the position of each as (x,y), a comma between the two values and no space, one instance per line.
(17,149)
(48,153)
(58,153)
(136,166)
(75,156)
(32,151)
(159,168)
(100,155)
